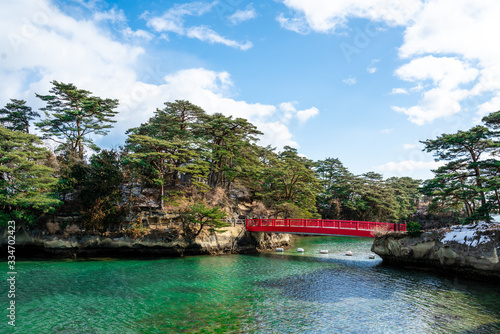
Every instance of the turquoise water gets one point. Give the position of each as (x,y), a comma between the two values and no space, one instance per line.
(265,293)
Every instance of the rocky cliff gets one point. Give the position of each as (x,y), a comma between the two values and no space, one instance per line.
(470,251)
(233,240)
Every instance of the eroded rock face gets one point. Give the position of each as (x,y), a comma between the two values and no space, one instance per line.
(471,250)
(233,240)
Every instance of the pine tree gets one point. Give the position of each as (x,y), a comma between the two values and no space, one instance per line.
(463,177)
(227,143)
(289,184)
(17,116)
(165,147)
(338,189)
(25,182)
(72,115)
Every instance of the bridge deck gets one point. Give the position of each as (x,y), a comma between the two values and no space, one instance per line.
(321,226)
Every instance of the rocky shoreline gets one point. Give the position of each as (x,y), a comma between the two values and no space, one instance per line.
(235,240)
(469,251)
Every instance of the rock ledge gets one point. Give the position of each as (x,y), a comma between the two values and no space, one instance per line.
(469,251)
(234,240)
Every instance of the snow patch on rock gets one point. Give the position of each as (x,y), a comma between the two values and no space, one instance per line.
(467,234)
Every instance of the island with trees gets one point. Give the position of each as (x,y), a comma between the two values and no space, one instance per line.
(185,174)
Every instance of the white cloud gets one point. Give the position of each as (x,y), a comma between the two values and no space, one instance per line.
(304,115)
(466,27)
(326,16)
(399,91)
(408,166)
(208,35)
(112,15)
(50,45)
(129,33)
(296,24)
(452,52)
(417,88)
(464,32)
(242,15)
(351,81)
(447,75)
(386,130)
(371,68)
(208,89)
(489,106)
(288,111)
(410,146)
(446,72)
(276,134)
(173,21)
(436,103)
(118,18)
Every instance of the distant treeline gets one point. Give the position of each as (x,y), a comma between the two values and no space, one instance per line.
(183,152)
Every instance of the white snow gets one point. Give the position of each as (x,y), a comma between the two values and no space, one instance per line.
(467,235)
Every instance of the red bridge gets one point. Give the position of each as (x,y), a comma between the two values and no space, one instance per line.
(321,227)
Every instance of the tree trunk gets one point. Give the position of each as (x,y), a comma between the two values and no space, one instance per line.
(79,140)
(467,208)
(162,204)
(498,200)
(478,177)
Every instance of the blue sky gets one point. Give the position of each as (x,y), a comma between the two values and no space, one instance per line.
(363,81)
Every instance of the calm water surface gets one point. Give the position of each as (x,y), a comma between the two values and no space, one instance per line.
(264,293)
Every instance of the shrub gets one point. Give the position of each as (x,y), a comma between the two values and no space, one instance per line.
(198,216)
(380,231)
(136,230)
(413,229)
(53,227)
(72,229)
(260,210)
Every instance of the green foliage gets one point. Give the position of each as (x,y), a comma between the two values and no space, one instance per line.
(198,216)
(493,120)
(183,143)
(135,230)
(467,181)
(338,190)
(407,192)
(165,148)
(226,142)
(183,152)
(100,193)
(26,183)
(72,115)
(93,188)
(413,229)
(16,116)
(287,183)
(71,173)
(364,197)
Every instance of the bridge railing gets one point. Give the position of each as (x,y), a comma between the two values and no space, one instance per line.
(326,224)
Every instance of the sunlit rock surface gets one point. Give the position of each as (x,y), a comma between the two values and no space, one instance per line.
(233,240)
(468,250)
